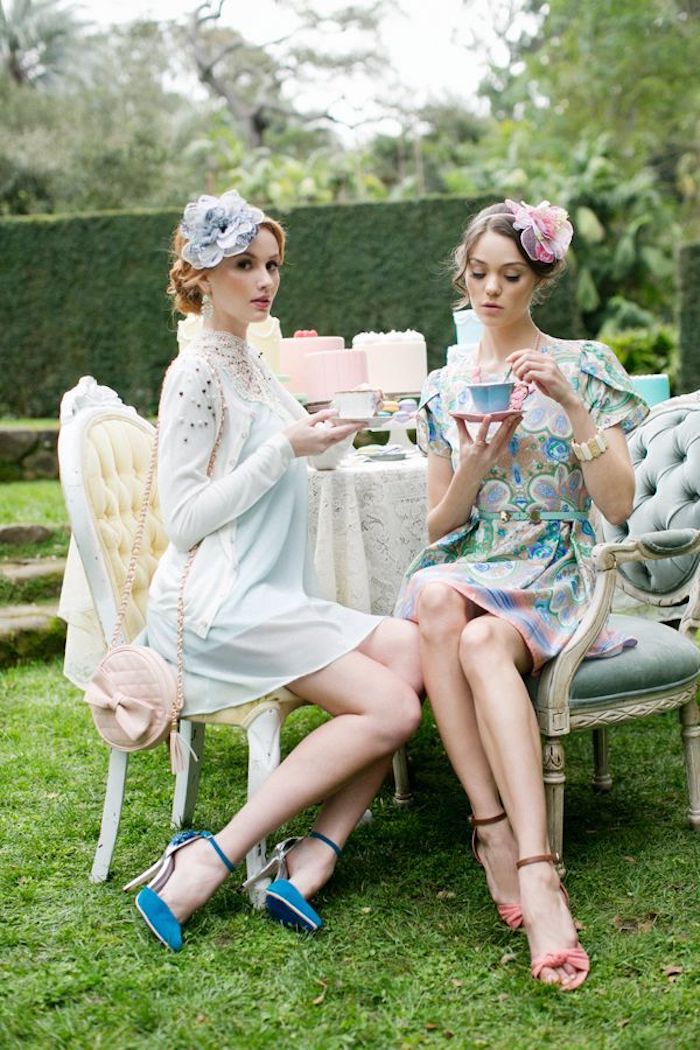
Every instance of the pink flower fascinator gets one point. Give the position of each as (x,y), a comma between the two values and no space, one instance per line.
(546,230)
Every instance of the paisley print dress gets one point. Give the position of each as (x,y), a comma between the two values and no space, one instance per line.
(536,573)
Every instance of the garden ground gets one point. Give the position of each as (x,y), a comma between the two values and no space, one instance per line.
(412,954)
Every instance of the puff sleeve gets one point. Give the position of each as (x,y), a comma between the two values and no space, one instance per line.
(430,419)
(193,504)
(607,389)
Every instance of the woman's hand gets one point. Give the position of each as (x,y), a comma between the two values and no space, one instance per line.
(478,455)
(316,433)
(531,366)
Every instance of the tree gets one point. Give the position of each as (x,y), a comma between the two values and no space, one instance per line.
(37,39)
(626,67)
(110,135)
(250,79)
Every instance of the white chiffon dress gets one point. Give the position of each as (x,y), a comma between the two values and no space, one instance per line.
(253,618)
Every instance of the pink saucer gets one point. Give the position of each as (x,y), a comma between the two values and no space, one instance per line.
(479,417)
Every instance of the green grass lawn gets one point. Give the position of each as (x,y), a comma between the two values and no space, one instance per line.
(29,424)
(34,503)
(412,955)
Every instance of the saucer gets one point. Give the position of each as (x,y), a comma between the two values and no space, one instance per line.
(479,417)
(386,457)
(367,421)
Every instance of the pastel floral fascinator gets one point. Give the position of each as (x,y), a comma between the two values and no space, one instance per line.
(546,230)
(217,227)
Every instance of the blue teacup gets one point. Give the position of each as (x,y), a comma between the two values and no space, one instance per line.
(491,397)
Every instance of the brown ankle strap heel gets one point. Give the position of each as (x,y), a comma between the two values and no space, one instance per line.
(480,822)
(541,858)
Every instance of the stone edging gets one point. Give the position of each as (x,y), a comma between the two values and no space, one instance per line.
(28,454)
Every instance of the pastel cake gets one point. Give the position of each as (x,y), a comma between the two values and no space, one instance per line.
(397,361)
(293,353)
(320,365)
(331,370)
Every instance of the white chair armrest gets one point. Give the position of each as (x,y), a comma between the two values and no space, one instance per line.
(554,688)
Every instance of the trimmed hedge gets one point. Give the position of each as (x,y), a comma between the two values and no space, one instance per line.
(689,319)
(85,294)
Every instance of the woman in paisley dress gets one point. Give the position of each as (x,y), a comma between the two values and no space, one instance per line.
(252,618)
(507,577)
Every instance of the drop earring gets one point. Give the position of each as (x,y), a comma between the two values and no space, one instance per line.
(207,308)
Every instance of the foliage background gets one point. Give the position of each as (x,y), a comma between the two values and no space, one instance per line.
(85,294)
(593,105)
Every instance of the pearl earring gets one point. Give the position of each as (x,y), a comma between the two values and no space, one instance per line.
(207,308)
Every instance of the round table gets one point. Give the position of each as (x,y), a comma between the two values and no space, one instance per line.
(366,524)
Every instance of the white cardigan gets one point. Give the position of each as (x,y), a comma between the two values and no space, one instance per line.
(197,508)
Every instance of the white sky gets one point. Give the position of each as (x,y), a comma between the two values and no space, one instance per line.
(422,43)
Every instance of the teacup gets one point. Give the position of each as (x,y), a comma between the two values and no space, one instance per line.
(491,397)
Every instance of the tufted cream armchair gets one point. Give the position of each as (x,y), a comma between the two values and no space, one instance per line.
(655,559)
(104,453)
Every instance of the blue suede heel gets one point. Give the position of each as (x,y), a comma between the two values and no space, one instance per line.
(283,900)
(285,904)
(159,919)
(154,911)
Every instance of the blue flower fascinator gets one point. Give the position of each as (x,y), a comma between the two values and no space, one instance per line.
(217,227)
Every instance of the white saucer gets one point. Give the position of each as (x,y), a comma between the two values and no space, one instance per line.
(367,421)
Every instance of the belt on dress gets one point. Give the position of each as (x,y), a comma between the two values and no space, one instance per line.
(533,515)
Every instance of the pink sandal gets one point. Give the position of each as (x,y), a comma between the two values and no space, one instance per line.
(510,913)
(575,956)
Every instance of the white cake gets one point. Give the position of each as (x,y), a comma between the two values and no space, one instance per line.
(326,372)
(266,337)
(397,361)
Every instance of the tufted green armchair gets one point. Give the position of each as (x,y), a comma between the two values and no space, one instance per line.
(655,558)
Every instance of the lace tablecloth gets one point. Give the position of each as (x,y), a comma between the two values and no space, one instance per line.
(367,523)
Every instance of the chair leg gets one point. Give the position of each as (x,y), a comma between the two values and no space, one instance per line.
(602,780)
(554,781)
(263,757)
(111,812)
(187,782)
(690,734)
(403,795)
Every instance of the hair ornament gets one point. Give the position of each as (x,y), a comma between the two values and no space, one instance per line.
(217,227)
(546,230)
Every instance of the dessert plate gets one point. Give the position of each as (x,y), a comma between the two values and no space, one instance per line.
(386,457)
(479,417)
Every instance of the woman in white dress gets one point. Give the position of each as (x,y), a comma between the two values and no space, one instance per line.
(251,617)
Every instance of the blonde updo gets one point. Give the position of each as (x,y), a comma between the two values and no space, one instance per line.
(185,281)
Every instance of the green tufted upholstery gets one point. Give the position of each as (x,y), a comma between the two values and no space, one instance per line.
(657,556)
(665,454)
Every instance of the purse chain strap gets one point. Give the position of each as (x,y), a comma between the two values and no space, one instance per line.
(138,545)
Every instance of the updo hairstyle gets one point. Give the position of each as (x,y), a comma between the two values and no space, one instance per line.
(185,281)
(500,219)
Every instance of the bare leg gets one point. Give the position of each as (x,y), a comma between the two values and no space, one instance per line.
(493,656)
(375,712)
(444,613)
(394,644)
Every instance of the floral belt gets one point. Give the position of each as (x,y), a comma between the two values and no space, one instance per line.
(533,515)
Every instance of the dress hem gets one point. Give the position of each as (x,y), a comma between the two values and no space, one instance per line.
(284,682)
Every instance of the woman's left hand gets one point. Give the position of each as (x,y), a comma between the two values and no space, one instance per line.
(531,366)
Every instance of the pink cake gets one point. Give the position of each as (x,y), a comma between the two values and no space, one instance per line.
(293,353)
(330,370)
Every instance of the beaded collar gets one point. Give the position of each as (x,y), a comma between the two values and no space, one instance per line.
(231,348)
(243,366)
